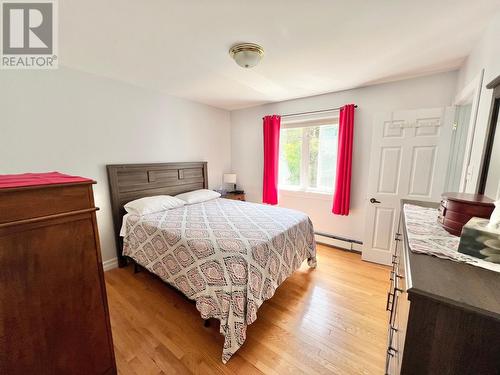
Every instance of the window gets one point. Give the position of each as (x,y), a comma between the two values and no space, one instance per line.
(308,157)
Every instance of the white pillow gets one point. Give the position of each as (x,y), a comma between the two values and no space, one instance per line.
(198,196)
(149,205)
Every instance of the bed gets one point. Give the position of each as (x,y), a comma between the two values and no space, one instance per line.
(228,256)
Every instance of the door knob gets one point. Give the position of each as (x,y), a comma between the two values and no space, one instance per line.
(373,200)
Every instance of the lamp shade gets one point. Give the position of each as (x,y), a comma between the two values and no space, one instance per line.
(229,178)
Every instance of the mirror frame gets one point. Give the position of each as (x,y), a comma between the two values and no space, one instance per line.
(490,132)
(469,94)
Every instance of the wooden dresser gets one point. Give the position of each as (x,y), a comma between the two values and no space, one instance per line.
(53,307)
(444,316)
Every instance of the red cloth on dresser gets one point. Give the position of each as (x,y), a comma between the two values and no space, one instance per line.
(32,179)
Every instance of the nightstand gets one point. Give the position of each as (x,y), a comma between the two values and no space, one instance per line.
(236,195)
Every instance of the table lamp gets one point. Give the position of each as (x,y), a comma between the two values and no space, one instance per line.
(230,178)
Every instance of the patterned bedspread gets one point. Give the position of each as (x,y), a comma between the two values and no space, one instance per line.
(229,256)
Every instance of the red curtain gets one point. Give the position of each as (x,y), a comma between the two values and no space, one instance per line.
(271,127)
(342,195)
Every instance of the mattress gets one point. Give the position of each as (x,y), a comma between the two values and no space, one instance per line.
(228,256)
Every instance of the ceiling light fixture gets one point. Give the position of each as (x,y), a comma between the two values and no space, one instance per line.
(246,55)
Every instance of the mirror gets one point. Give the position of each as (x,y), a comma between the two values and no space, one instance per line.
(466,107)
(457,148)
(489,183)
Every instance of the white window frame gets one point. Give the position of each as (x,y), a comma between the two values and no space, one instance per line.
(302,190)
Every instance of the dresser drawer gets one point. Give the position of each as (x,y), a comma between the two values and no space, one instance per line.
(20,204)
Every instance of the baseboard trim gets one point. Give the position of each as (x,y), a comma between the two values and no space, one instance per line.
(340,244)
(110,264)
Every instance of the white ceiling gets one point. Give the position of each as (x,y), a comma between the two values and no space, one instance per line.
(180,47)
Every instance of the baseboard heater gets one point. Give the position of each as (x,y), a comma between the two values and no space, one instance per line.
(338,241)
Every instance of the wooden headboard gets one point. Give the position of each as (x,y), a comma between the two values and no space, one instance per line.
(132,181)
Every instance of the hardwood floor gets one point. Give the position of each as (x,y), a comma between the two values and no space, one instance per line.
(330,320)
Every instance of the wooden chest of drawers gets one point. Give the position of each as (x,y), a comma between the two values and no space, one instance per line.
(444,316)
(458,208)
(53,307)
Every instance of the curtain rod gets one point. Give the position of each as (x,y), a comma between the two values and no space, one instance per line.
(311,112)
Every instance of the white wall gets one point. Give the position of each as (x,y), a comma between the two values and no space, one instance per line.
(485,55)
(246,141)
(77,123)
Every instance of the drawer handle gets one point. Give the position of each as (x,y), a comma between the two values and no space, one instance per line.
(389,301)
(393,269)
(395,261)
(392,302)
(398,276)
(391,351)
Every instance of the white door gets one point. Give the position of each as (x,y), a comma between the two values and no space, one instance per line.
(409,156)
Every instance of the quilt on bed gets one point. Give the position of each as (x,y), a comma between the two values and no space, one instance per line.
(229,256)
